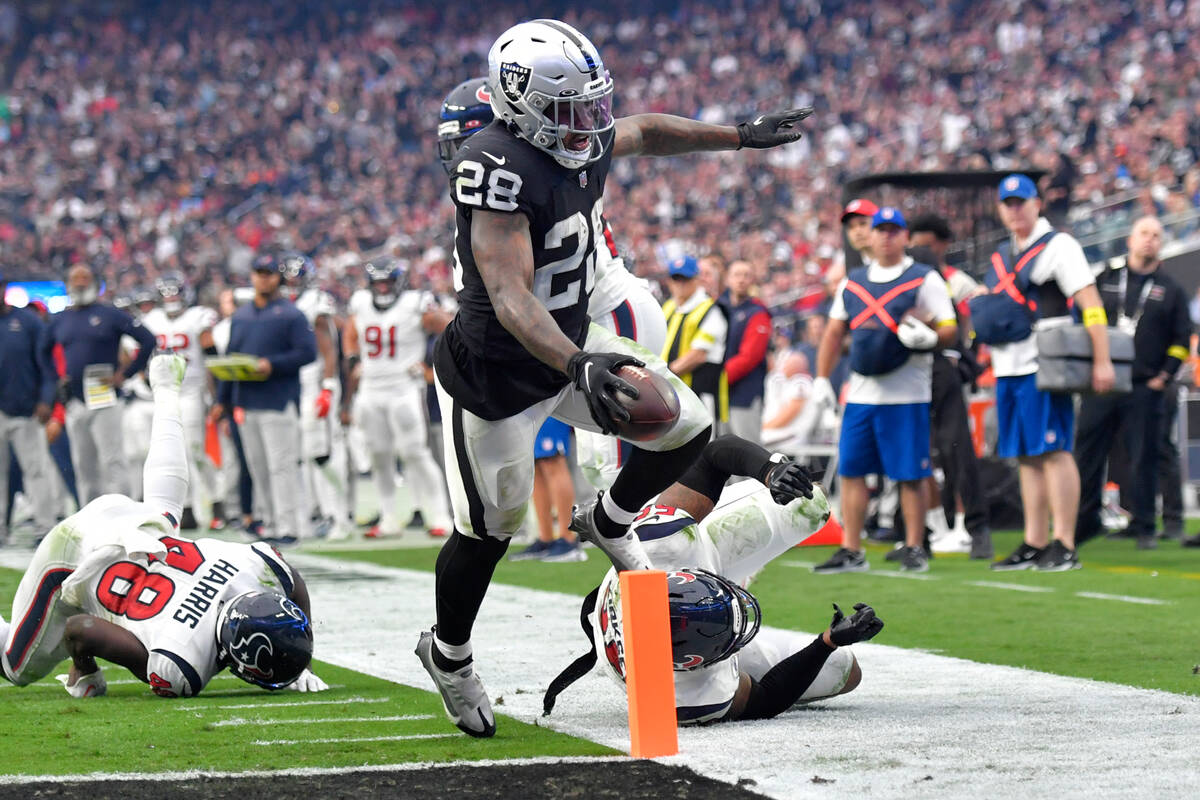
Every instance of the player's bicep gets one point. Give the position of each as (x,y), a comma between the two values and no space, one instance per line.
(627,137)
(503,252)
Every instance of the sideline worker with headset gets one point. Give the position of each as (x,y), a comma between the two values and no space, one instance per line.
(1151,306)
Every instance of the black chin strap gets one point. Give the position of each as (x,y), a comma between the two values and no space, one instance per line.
(580,666)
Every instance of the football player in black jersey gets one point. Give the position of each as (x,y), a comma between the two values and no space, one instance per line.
(528,194)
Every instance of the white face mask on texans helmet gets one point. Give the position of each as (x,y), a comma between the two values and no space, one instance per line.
(548,82)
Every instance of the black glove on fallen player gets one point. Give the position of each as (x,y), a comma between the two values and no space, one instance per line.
(772,130)
(592,374)
(858,628)
(787,481)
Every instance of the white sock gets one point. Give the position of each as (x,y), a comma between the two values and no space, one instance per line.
(165,473)
(452,652)
(615,512)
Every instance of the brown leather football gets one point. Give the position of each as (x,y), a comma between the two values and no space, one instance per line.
(654,411)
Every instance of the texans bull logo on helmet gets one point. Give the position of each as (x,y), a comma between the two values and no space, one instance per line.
(248,651)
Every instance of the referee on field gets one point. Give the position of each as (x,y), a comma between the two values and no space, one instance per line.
(1149,304)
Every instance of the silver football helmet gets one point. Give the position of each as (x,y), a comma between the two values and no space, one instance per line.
(549,83)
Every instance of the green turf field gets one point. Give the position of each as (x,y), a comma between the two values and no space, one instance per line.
(1149,637)
(232,726)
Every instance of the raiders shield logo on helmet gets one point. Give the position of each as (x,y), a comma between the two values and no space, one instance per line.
(513,79)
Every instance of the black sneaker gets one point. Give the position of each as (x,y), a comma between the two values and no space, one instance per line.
(895,553)
(1147,541)
(981,544)
(914,559)
(187,520)
(1057,558)
(1190,541)
(844,560)
(1023,557)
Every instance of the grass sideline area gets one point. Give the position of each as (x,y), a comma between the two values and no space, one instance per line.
(1136,624)
(233,726)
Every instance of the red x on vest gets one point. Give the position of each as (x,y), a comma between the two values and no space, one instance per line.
(875,308)
(1008,280)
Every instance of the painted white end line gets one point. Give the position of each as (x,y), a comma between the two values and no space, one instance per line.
(1016,587)
(269,742)
(1124,598)
(225,723)
(269,704)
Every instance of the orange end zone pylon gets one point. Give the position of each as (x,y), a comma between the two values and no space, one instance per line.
(649,672)
(830,533)
(212,443)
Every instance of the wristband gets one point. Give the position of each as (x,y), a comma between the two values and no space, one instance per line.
(329,383)
(1094,316)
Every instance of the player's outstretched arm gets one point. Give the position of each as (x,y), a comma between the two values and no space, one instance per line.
(88,638)
(504,257)
(669,135)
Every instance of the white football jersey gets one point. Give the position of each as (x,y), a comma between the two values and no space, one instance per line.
(182,334)
(391,341)
(744,532)
(314,303)
(613,283)
(171,605)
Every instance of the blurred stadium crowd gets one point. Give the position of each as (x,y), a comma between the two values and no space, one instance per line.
(141,142)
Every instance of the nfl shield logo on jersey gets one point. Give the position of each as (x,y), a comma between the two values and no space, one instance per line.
(513,79)
(583,179)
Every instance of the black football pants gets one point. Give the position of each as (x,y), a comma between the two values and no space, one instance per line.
(953,450)
(1138,417)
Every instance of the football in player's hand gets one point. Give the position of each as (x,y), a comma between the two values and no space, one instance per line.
(653,412)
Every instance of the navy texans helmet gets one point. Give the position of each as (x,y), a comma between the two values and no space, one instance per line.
(264,638)
(297,270)
(711,619)
(387,277)
(467,109)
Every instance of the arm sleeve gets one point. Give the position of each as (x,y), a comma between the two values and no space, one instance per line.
(170,675)
(752,349)
(304,349)
(786,682)
(1070,265)
(934,297)
(145,339)
(723,458)
(838,309)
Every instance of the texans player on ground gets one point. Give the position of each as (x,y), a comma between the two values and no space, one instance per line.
(620,302)
(387,390)
(712,539)
(527,191)
(116,582)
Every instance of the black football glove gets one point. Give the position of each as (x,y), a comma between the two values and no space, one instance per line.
(592,374)
(772,130)
(787,481)
(858,628)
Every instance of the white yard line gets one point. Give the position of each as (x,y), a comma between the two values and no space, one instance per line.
(1016,587)
(236,722)
(271,704)
(343,739)
(1124,598)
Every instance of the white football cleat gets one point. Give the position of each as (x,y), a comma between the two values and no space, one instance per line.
(463,696)
(166,370)
(625,552)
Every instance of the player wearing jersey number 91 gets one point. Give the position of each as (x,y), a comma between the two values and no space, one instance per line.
(528,192)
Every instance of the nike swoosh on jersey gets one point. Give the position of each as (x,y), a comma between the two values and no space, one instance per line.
(499,161)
